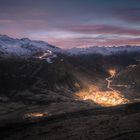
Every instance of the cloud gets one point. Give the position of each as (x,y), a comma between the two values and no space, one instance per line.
(128,14)
(104,29)
(70,23)
(70,43)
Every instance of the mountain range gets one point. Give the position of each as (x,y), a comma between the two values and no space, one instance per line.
(39,99)
(26,48)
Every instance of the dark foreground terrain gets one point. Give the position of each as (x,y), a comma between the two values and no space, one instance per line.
(118,123)
(38,101)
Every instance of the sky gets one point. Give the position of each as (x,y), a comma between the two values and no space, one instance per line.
(73,23)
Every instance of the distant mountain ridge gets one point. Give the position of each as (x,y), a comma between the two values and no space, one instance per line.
(27,47)
(102,50)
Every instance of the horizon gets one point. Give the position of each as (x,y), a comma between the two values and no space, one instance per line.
(71,47)
(73,24)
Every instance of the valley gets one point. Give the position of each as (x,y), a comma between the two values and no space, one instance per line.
(84,96)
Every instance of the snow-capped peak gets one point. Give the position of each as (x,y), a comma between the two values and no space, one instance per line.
(24,46)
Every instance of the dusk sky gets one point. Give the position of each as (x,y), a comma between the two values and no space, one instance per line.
(73,23)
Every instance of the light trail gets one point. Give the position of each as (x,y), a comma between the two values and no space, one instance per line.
(112,73)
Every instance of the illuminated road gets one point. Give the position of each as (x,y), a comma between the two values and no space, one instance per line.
(112,72)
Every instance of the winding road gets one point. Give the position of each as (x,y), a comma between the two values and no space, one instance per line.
(109,79)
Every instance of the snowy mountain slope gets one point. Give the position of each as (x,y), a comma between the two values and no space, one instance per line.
(24,47)
(102,50)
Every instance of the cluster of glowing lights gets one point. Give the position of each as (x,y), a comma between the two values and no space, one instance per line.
(102,98)
(112,72)
(44,55)
(36,115)
(108,97)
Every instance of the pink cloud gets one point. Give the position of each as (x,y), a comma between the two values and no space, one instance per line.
(103,29)
(70,43)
